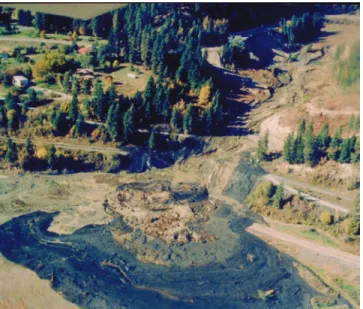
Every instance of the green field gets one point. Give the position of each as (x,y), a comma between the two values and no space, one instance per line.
(75,10)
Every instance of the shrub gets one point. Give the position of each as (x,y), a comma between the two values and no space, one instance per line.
(326,218)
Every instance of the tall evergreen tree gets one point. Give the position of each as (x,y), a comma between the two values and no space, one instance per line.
(278,196)
(288,150)
(11,154)
(355,157)
(73,108)
(152,140)
(51,156)
(176,120)
(346,152)
(98,100)
(310,149)
(323,138)
(29,147)
(188,121)
(129,123)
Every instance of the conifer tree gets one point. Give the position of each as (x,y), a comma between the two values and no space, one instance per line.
(67,84)
(51,157)
(310,149)
(78,127)
(11,154)
(262,148)
(288,150)
(129,123)
(335,146)
(278,196)
(98,100)
(355,157)
(152,140)
(176,121)
(188,123)
(73,108)
(323,138)
(29,147)
(208,120)
(346,152)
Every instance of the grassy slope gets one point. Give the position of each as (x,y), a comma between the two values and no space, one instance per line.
(76,10)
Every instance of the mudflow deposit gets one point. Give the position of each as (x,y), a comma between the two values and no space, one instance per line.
(169,238)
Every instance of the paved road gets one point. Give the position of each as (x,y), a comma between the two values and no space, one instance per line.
(345,257)
(72,146)
(276,180)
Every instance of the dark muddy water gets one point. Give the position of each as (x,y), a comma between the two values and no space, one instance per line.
(95,272)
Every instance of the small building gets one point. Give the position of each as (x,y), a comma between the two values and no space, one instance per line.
(132,75)
(4,56)
(84,72)
(20,81)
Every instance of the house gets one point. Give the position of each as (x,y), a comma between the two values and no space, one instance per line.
(20,81)
(132,75)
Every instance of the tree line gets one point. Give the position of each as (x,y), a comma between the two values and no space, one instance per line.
(304,147)
(302,29)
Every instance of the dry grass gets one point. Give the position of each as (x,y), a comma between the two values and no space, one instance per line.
(75,10)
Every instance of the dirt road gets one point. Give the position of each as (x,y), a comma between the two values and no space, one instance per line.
(312,188)
(51,41)
(72,146)
(345,257)
(276,180)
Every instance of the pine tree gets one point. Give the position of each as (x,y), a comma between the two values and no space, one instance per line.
(323,139)
(217,109)
(51,157)
(129,123)
(346,152)
(335,146)
(288,150)
(67,84)
(87,86)
(32,96)
(176,121)
(75,86)
(148,100)
(166,106)
(10,101)
(188,121)
(310,149)
(299,143)
(11,154)
(208,122)
(29,147)
(354,227)
(355,157)
(152,140)
(98,100)
(78,127)
(278,197)
(73,108)
(96,26)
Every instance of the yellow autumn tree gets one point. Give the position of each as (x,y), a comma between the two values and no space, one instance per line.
(204,95)
(51,62)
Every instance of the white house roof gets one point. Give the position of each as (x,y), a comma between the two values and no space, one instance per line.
(19,78)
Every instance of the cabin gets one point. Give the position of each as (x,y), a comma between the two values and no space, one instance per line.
(20,81)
